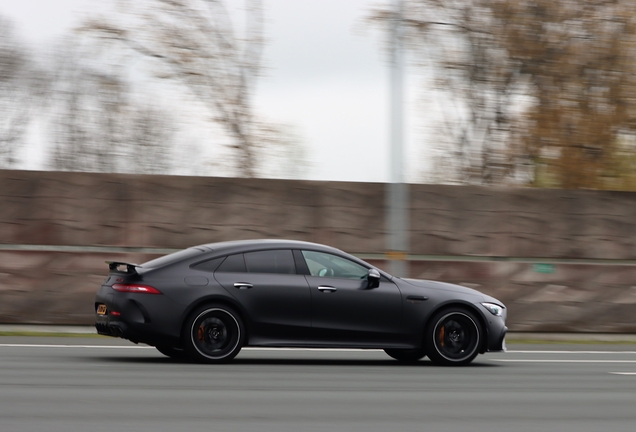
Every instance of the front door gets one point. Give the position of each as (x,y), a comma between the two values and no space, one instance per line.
(345,310)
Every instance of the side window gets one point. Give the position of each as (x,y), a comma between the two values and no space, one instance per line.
(327,265)
(271,261)
(209,266)
(233,264)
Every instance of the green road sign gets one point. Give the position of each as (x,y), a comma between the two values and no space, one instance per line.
(543,268)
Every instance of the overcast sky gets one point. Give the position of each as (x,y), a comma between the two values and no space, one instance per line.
(325,74)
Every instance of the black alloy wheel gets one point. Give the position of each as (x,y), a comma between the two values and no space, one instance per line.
(406,355)
(453,337)
(215,334)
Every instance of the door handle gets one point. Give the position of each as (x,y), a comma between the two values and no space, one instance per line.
(327,289)
(243,285)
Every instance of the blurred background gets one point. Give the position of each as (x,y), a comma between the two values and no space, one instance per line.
(137,128)
(249,88)
(529,93)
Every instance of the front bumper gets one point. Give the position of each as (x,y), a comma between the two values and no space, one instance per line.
(498,342)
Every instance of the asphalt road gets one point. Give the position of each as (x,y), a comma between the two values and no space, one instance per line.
(94,384)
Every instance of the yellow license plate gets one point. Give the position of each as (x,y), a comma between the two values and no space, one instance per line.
(101,309)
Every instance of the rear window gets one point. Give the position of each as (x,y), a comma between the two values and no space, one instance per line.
(172,258)
(209,266)
(233,264)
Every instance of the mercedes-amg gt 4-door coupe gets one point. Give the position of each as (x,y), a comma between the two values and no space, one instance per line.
(206,302)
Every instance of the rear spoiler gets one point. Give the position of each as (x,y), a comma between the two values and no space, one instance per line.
(115,266)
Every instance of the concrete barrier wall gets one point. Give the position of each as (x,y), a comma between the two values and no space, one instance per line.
(560,260)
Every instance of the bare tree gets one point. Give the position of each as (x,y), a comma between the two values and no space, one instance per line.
(542,90)
(87,121)
(98,125)
(15,93)
(195,44)
(151,139)
(473,77)
(285,156)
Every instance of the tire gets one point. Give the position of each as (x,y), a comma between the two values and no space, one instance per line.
(174,353)
(214,334)
(453,337)
(406,355)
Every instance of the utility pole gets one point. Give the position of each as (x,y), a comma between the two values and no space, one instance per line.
(397,198)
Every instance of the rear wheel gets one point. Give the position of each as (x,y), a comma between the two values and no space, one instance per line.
(215,334)
(453,337)
(406,355)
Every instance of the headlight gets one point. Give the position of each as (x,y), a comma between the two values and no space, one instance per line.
(494,309)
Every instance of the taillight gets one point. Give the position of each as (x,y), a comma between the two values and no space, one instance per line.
(136,288)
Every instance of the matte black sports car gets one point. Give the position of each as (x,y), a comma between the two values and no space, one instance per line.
(208,301)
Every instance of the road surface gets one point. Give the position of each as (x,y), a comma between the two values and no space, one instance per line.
(100,384)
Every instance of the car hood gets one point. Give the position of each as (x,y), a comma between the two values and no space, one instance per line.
(443,286)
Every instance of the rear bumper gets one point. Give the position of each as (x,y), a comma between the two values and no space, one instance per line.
(114,329)
(136,333)
(127,318)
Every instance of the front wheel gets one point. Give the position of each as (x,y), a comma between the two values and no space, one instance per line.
(215,334)
(406,355)
(453,337)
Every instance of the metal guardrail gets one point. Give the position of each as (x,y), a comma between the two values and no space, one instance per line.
(364,256)
(528,260)
(79,249)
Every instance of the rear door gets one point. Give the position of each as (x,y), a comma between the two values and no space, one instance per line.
(344,309)
(276,298)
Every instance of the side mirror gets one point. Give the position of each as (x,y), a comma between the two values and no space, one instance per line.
(373,277)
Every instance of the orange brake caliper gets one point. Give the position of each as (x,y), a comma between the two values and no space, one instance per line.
(441,336)
(200,333)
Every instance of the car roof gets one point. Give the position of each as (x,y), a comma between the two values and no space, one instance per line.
(211,250)
(242,245)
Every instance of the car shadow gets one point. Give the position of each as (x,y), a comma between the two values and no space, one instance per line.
(289,362)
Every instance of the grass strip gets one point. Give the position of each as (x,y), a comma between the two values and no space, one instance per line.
(51,334)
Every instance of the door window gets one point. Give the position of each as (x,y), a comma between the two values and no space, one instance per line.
(271,261)
(327,265)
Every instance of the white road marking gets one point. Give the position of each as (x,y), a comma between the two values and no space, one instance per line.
(561,361)
(569,352)
(623,373)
